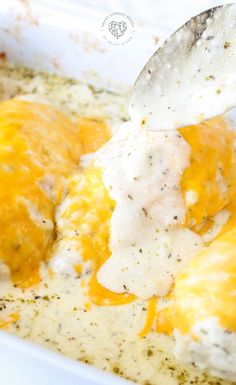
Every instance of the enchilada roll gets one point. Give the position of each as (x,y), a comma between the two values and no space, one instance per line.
(38,147)
(204,310)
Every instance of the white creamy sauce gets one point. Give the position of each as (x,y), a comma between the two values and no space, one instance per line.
(142,172)
(53,314)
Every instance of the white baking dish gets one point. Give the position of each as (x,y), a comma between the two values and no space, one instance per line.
(65,37)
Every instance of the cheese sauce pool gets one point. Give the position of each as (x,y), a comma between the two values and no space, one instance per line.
(56,313)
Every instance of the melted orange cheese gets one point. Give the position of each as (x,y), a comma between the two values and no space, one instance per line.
(94,132)
(151,314)
(8,321)
(164,323)
(208,286)
(211,172)
(101,296)
(38,147)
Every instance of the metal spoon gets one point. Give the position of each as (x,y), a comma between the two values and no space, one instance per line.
(192,77)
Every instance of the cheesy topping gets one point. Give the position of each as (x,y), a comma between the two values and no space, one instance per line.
(38,146)
(83,223)
(210,176)
(207,288)
(94,132)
